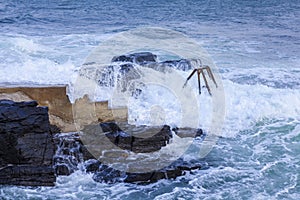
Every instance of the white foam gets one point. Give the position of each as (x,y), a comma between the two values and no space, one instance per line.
(251,93)
(34,60)
(38,72)
(28,45)
(246,104)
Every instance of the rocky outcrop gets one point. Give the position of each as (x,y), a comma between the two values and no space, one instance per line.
(147,59)
(72,152)
(26,145)
(31,155)
(122,69)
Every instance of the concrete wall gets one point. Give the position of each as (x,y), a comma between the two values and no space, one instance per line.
(61,112)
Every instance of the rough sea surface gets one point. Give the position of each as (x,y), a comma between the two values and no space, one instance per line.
(255,45)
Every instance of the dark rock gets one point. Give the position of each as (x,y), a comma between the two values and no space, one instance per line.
(54,129)
(147,143)
(199,133)
(92,165)
(8,151)
(121,139)
(27,175)
(125,68)
(70,154)
(62,169)
(26,145)
(20,118)
(153,143)
(178,168)
(139,177)
(122,70)
(138,58)
(109,175)
(122,58)
(182,64)
(144,57)
(188,132)
(110,127)
(103,173)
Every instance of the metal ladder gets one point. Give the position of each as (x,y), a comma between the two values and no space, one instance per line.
(200,71)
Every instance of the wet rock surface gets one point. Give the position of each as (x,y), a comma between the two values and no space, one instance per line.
(188,132)
(72,152)
(54,97)
(122,68)
(26,145)
(34,153)
(103,173)
(138,58)
(31,155)
(135,143)
(147,59)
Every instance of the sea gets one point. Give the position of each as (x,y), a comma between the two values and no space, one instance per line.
(255,46)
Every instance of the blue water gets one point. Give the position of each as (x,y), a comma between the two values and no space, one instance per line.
(255,45)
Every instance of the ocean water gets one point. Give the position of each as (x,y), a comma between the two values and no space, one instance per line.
(254,44)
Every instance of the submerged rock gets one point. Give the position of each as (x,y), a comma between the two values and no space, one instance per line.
(26,145)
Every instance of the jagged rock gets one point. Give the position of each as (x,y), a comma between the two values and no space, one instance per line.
(54,97)
(26,145)
(103,173)
(122,70)
(92,165)
(64,170)
(54,129)
(27,175)
(182,64)
(138,58)
(70,152)
(147,143)
(149,60)
(107,174)
(123,64)
(188,132)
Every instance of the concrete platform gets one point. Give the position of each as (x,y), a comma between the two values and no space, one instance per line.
(62,112)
